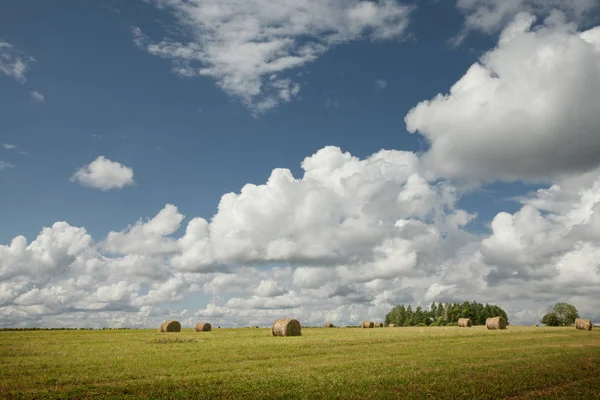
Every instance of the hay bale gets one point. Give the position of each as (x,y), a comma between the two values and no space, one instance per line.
(583,324)
(202,327)
(329,325)
(378,324)
(170,326)
(391,325)
(495,323)
(368,324)
(465,323)
(286,327)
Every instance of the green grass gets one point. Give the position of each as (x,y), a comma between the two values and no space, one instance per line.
(344,363)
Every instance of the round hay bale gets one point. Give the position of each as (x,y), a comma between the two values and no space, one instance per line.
(391,325)
(329,325)
(202,327)
(378,325)
(368,324)
(170,326)
(495,323)
(286,327)
(583,324)
(465,323)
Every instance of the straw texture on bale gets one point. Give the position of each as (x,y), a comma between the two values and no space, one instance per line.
(583,324)
(202,327)
(286,327)
(329,325)
(368,324)
(391,325)
(495,323)
(170,326)
(464,323)
(378,324)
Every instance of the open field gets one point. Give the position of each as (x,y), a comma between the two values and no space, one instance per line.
(408,363)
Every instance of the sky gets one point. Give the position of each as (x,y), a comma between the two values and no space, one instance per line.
(239,162)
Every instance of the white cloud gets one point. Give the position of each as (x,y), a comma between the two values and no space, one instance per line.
(14,62)
(8,146)
(269,288)
(247,46)
(147,238)
(104,174)
(527,110)
(490,16)
(37,96)
(552,241)
(346,241)
(380,84)
(5,165)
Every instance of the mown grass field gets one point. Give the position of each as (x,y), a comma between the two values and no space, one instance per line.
(344,363)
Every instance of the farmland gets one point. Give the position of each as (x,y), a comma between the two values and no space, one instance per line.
(411,363)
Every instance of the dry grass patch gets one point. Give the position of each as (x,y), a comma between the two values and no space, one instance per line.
(172,340)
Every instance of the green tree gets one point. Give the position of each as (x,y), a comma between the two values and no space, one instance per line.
(401,315)
(439,317)
(566,313)
(409,317)
(550,319)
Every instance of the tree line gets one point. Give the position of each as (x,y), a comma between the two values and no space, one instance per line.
(441,314)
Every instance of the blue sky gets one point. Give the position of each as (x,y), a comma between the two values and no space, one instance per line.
(96,82)
(107,91)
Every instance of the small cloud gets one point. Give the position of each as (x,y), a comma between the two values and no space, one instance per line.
(96,136)
(200,110)
(14,62)
(111,9)
(8,146)
(380,84)
(104,174)
(5,165)
(158,148)
(37,96)
(23,152)
(330,103)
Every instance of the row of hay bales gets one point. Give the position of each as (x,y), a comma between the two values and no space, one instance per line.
(292,327)
(281,327)
(499,323)
(175,326)
(370,324)
(495,323)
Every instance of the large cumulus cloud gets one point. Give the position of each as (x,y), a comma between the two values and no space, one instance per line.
(346,241)
(527,111)
(347,221)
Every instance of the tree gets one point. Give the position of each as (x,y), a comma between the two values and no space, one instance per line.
(566,313)
(442,314)
(550,319)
